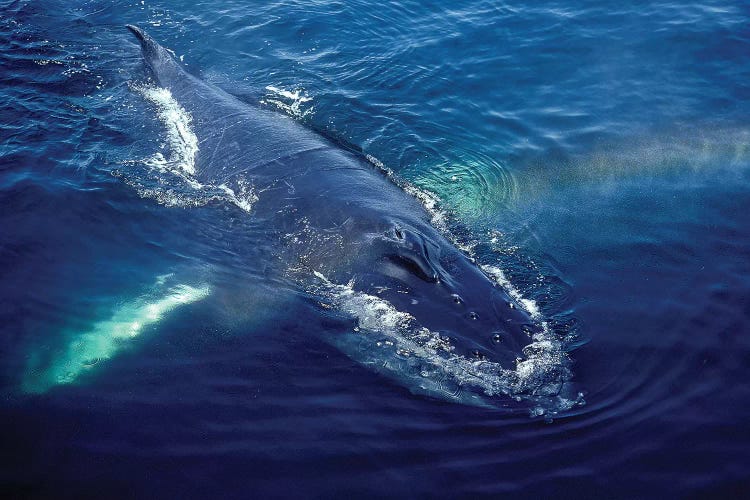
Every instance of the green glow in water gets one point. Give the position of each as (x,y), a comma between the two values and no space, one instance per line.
(106,338)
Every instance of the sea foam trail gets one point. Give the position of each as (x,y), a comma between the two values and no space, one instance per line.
(181,163)
(392,342)
(499,277)
(293,103)
(181,140)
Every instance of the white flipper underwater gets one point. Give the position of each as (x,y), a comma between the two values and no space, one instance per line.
(85,351)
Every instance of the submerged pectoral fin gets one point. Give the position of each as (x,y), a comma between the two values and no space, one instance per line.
(85,350)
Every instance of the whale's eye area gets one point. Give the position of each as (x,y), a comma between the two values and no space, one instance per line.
(418,266)
(414,253)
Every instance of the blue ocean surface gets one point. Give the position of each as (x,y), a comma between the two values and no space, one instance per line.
(593,158)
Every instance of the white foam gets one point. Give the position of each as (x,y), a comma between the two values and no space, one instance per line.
(537,375)
(499,277)
(245,196)
(288,101)
(430,201)
(182,144)
(182,141)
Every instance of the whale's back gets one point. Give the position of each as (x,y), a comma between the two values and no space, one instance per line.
(233,136)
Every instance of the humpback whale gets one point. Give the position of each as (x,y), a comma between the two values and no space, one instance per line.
(364,251)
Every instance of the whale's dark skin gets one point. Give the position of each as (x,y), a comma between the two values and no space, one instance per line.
(360,227)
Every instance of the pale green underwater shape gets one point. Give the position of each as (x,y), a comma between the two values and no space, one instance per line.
(475,185)
(108,337)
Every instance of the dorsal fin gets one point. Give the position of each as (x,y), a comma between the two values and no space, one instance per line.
(161,62)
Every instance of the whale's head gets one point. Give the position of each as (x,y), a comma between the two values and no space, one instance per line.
(428,316)
(420,273)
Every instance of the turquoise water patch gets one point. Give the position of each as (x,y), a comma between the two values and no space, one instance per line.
(86,351)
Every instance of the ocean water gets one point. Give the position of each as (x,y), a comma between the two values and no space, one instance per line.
(593,156)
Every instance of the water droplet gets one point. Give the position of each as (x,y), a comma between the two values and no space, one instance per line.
(477,354)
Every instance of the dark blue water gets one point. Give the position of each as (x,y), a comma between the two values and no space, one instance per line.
(597,153)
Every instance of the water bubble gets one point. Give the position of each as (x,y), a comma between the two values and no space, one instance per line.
(497,338)
(477,354)
(473,315)
(536,412)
